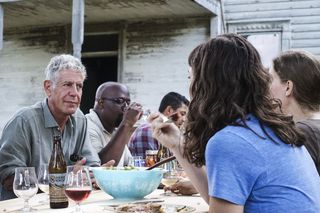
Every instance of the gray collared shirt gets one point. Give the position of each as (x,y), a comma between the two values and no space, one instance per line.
(27,140)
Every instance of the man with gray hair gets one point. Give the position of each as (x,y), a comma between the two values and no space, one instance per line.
(27,139)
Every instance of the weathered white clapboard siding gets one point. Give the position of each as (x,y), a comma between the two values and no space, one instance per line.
(303,35)
(156,56)
(240,2)
(22,63)
(284,5)
(303,17)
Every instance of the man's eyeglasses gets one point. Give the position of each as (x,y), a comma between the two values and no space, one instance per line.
(119,101)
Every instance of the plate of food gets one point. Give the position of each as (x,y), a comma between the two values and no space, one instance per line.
(152,208)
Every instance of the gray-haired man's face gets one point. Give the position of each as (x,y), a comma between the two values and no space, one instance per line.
(64,95)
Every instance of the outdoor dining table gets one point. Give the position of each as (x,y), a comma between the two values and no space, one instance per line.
(99,201)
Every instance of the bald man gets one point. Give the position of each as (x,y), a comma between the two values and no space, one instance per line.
(111,121)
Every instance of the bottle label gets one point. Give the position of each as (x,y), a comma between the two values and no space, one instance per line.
(56,188)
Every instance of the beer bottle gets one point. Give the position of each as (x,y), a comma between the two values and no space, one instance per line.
(57,172)
(163,152)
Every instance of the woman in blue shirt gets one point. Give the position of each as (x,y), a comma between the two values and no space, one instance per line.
(253,154)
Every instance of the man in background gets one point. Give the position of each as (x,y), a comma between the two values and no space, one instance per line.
(111,122)
(142,140)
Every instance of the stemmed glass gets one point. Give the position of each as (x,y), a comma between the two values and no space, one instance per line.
(78,184)
(25,185)
(171,175)
(43,180)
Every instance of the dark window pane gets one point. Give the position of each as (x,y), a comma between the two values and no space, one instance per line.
(96,43)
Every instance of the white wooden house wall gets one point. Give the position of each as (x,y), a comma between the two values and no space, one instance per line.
(22,65)
(299,20)
(156,56)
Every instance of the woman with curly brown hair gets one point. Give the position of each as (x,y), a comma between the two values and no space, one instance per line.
(253,154)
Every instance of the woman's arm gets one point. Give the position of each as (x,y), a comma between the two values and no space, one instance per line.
(169,135)
(222,206)
(198,176)
(183,187)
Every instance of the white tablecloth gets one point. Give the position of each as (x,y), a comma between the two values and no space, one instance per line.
(98,201)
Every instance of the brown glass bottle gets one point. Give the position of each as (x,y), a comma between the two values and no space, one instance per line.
(163,153)
(57,172)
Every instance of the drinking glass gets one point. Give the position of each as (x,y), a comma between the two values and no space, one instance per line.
(170,176)
(151,157)
(136,161)
(78,184)
(43,180)
(144,118)
(25,185)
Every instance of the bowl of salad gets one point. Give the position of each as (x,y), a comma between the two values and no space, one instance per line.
(127,182)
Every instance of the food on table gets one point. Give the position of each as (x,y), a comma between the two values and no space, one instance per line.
(122,168)
(150,208)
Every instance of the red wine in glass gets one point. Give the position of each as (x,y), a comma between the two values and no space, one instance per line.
(77,184)
(78,194)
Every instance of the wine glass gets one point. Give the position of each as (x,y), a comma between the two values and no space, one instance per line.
(43,180)
(25,185)
(78,184)
(170,176)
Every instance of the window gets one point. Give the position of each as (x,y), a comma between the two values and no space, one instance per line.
(100,42)
(267,44)
(269,37)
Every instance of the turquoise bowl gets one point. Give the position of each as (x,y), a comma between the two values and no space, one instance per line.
(127,184)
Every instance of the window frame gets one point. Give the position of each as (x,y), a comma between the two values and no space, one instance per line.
(252,27)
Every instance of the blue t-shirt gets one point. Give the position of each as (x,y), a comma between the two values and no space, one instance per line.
(264,176)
